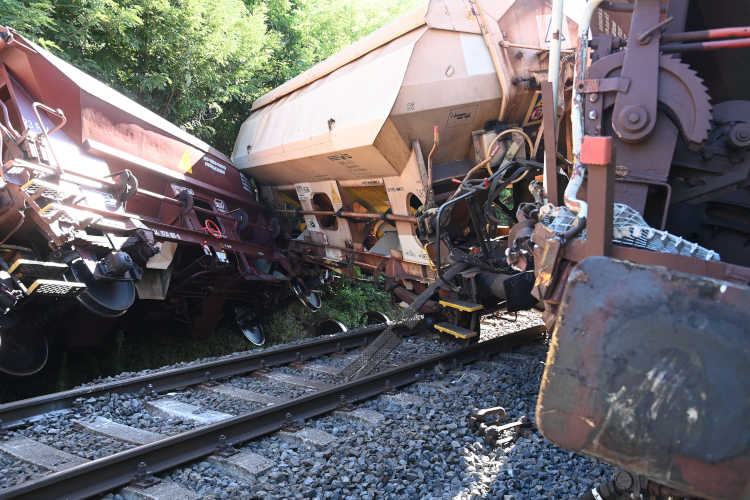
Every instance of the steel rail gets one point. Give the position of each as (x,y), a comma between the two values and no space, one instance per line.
(101,475)
(18,412)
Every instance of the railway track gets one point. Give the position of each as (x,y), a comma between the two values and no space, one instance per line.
(306,387)
(19,412)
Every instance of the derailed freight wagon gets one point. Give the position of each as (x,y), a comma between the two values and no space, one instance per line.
(103,202)
(413,154)
(367,145)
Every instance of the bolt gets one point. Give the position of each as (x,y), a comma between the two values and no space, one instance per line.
(623,481)
(593,97)
(633,118)
(593,115)
(739,136)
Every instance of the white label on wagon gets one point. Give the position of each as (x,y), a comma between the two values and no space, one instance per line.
(167,234)
(214,165)
(304,191)
(246,184)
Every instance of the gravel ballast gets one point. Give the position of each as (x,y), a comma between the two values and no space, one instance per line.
(14,471)
(423,448)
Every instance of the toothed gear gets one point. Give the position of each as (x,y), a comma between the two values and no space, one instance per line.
(681,90)
(694,121)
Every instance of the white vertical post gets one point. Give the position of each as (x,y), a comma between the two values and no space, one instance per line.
(553,74)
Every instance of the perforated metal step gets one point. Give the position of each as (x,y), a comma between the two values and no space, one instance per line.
(25,269)
(55,288)
(50,190)
(455,330)
(461,305)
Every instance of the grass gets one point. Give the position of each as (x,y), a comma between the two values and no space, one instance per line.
(147,346)
(345,300)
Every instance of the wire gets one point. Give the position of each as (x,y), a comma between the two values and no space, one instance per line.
(488,158)
(499,182)
(529,142)
(213,229)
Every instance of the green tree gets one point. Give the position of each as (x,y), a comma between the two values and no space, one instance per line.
(329,25)
(198,63)
(29,18)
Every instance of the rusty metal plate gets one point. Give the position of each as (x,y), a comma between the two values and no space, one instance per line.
(648,369)
(596,85)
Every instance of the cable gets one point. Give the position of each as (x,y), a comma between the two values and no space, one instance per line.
(499,182)
(213,229)
(529,142)
(488,158)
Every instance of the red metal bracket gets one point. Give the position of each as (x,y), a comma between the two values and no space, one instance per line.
(596,154)
(596,150)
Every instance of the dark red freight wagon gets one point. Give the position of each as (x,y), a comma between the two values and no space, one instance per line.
(103,202)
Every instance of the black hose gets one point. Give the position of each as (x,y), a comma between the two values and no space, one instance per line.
(437,224)
(499,183)
(477,186)
(573,231)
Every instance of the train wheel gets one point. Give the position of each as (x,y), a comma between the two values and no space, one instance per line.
(330,327)
(23,355)
(374,318)
(249,326)
(254,333)
(310,299)
(109,299)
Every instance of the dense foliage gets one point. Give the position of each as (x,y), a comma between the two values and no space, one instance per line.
(198,63)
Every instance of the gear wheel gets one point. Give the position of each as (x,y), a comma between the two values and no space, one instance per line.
(681,91)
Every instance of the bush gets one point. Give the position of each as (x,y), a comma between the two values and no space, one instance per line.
(345,300)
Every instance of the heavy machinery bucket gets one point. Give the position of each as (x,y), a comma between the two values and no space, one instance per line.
(648,369)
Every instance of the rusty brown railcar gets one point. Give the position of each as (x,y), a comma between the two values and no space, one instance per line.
(497,155)
(103,202)
(648,361)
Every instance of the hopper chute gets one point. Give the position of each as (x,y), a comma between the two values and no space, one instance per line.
(356,114)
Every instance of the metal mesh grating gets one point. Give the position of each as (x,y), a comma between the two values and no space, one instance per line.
(379,349)
(24,268)
(48,190)
(53,288)
(630,229)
